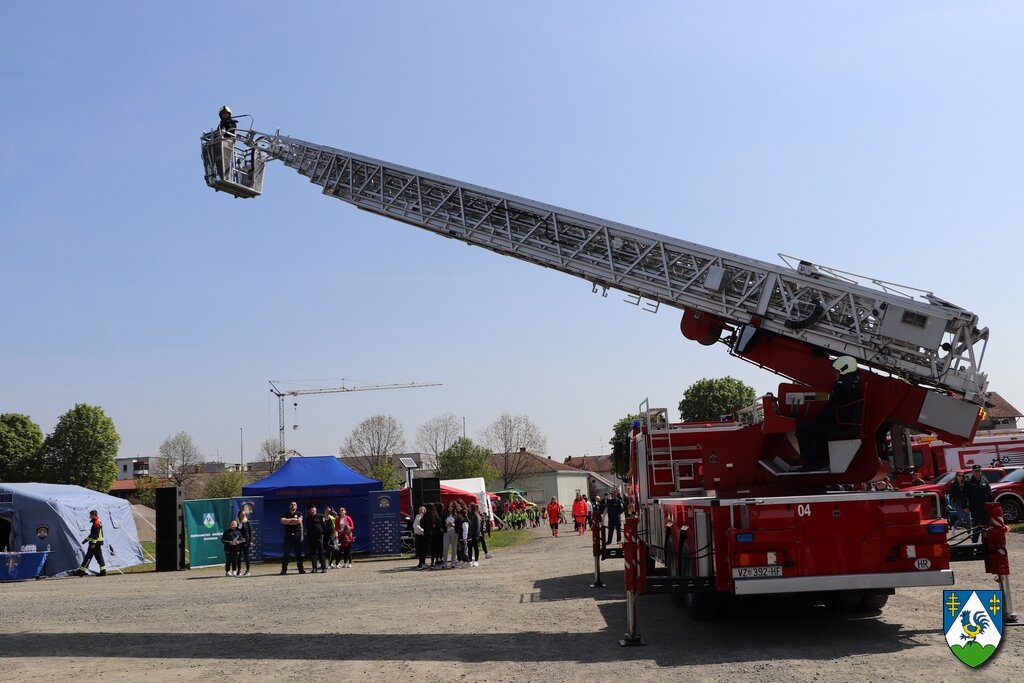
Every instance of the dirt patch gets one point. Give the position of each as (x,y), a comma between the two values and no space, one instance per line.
(528,614)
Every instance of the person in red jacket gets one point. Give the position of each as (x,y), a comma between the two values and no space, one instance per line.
(579,514)
(553,513)
(345,541)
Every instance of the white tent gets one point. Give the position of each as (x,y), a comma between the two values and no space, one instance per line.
(55,517)
(474,485)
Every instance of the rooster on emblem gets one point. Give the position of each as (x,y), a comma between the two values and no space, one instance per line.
(972,631)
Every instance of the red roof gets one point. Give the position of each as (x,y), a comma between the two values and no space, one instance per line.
(123,485)
(998,407)
(534,464)
(591,463)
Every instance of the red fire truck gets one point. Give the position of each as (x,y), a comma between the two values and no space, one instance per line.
(724,507)
(931,457)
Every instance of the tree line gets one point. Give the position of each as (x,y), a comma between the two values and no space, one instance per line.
(502,451)
(504,448)
(84,445)
(80,450)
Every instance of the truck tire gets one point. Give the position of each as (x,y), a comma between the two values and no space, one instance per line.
(674,567)
(704,606)
(701,606)
(844,601)
(874,601)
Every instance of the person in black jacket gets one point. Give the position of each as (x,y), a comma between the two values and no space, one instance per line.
(977,491)
(95,541)
(959,513)
(292,522)
(473,535)
(436,540)
(613,507)
(246,530)
(842,413)
(315,529)
(232,540)
(227,124)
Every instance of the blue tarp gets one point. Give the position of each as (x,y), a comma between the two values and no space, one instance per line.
(318,480)
(56,517)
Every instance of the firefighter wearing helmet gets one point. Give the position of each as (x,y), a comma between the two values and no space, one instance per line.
(227,124)
(840,418)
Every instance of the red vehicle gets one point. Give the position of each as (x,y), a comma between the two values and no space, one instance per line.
(1009,493)
(932,457)
(725,506)
(941,484)
(849,549)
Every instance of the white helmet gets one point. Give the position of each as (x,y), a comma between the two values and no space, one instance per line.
(225,108)
(844,365)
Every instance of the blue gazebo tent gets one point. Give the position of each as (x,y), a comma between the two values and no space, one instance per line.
(319,480)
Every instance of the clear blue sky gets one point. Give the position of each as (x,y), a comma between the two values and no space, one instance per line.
(876,137)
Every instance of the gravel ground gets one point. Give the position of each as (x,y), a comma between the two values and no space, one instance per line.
(526,615)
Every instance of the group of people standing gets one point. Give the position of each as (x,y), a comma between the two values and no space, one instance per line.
(329,536)
(451,538)
(237,540)
(967,498)
(583,509)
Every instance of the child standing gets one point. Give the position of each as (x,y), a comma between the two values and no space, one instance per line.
(232,540)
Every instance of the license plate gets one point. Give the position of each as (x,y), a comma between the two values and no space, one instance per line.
(756,572)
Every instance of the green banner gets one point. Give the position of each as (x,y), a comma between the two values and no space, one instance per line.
(205,522)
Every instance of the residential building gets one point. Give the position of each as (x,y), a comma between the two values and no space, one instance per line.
(139,466)
(539,478)
(999,414)
(601,472)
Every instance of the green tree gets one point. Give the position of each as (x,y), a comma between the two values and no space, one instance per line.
(464,459)
(387,474)
(145,490)
(21,445)
(710,399)
(226,484)
(620,445)
(82,448)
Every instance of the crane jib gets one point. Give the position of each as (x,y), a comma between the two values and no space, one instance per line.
(900,330)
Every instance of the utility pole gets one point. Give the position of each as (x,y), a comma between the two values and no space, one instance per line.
(281,393)
(241,448)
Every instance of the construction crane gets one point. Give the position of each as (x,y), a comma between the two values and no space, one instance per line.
(281,393)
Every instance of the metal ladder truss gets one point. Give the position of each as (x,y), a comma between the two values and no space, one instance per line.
(907,332)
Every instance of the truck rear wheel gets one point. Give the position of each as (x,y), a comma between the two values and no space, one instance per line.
(874,601)
(701,606)
(844,601)
(704,606)
(673,564)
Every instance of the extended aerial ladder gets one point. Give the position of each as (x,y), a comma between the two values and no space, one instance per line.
(791,319)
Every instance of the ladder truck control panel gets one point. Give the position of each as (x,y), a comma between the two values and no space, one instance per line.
(724,507)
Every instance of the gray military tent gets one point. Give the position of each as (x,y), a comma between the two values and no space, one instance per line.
(56,517)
